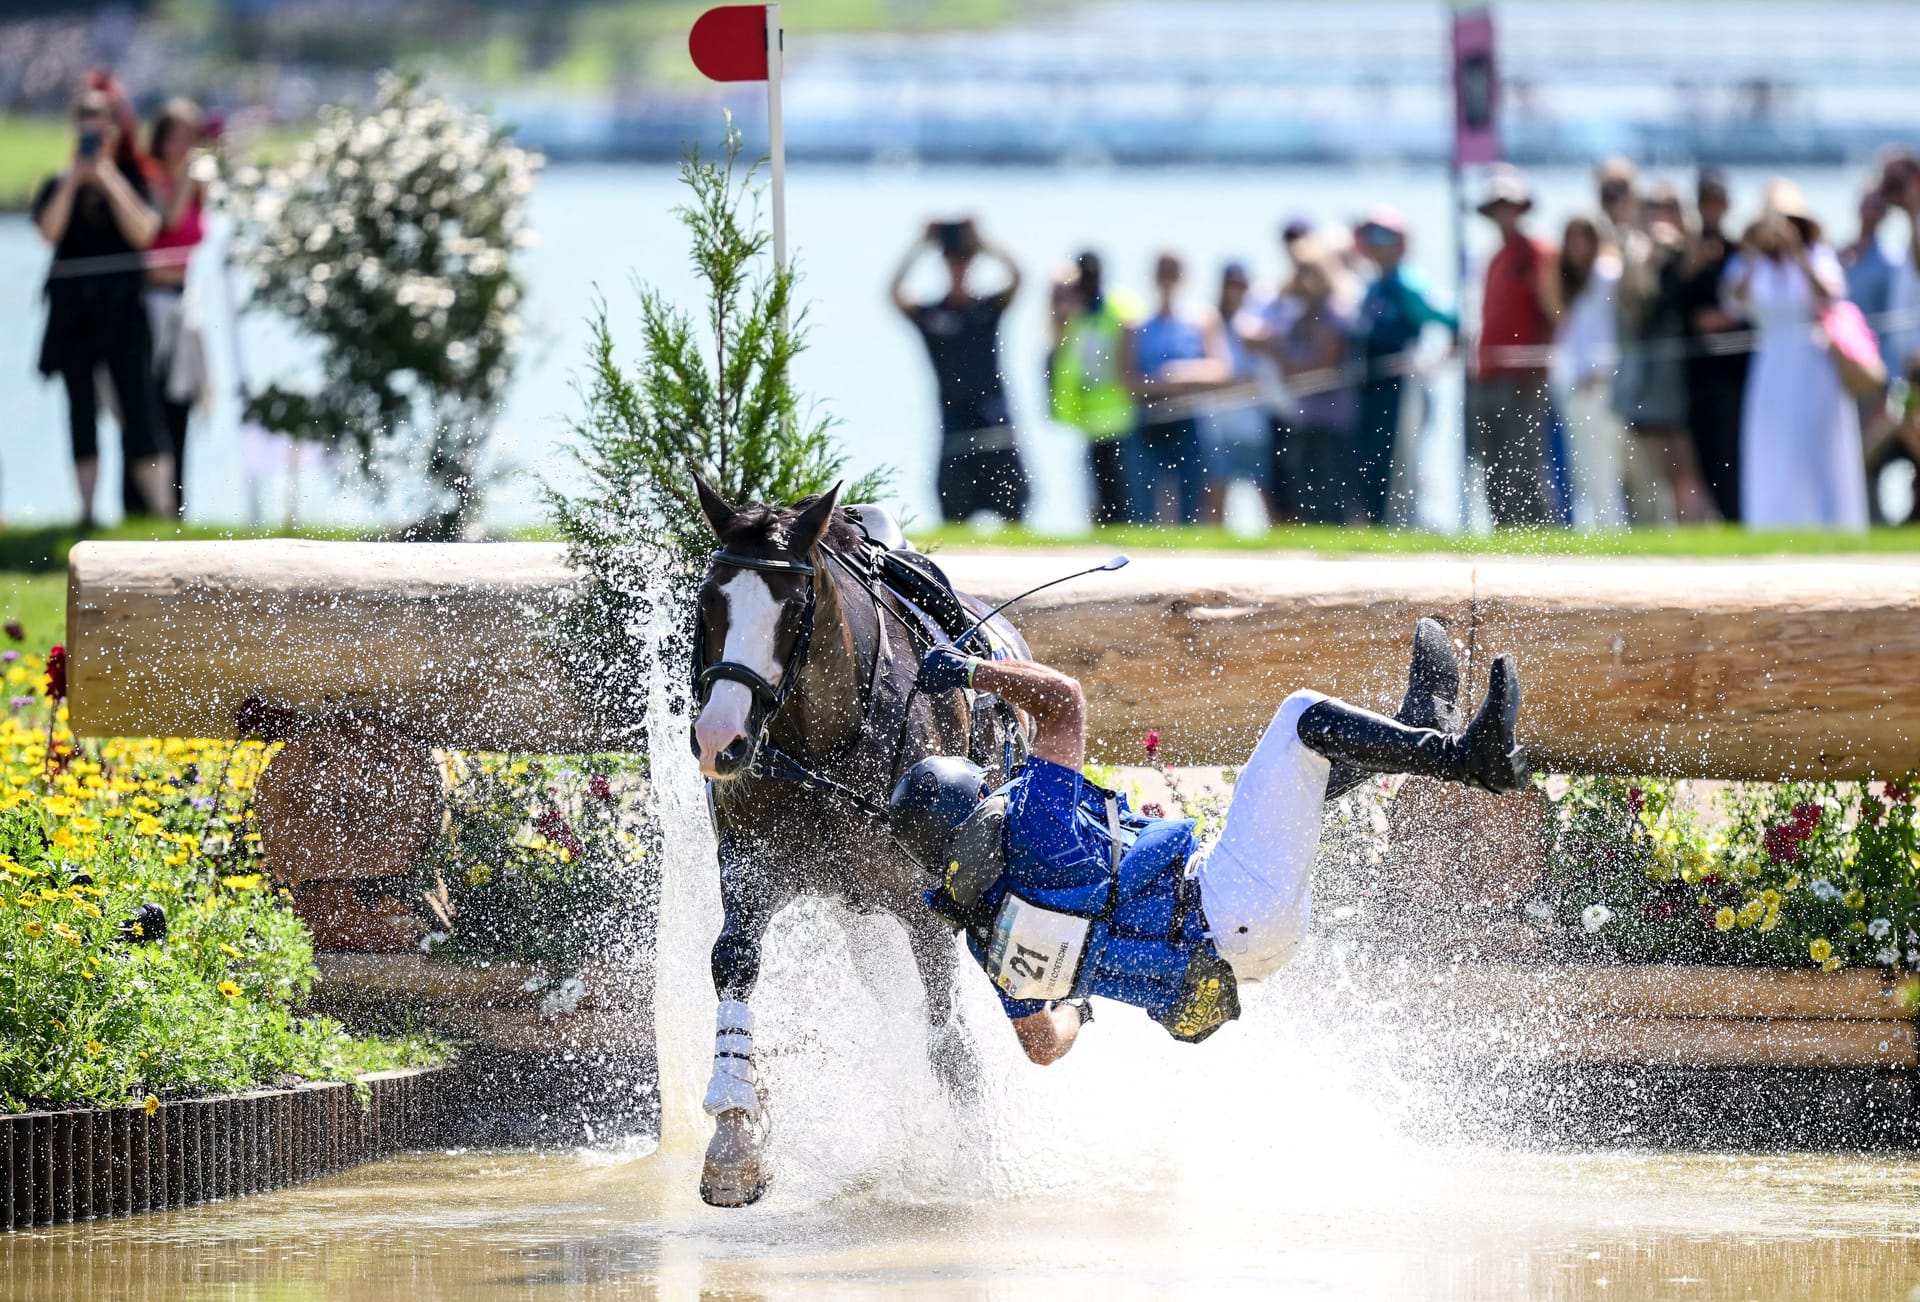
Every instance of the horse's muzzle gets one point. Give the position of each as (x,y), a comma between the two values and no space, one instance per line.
(733,758)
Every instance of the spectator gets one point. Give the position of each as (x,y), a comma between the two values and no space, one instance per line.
(1279,313)
(1507,438)
(1901,184)
(1902,444)
(1234,430)
(179,352)
(980,467)
(1717,350)
(1170,360)
(1585,356)
(1393,314)
(98,217)
(1868,269)
(1650,392)
(1088,387)
(1313,354)
(1619,199)
(1800,457)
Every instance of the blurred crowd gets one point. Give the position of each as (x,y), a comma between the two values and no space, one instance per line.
(1656,365)
(123,218)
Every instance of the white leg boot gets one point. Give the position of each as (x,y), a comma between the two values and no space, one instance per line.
(734,1175)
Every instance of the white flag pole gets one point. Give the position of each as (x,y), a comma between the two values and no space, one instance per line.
(776,137)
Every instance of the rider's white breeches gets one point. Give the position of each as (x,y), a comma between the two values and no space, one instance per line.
(733,1080)
(1256,877)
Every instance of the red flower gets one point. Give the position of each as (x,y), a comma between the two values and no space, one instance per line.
(57,673)
(1636,800)
(599,788)
(1806,817)
(1896,793)
(1872,813)
(553,825)
(1153,809)
(60,756)
(1151,743)
(16,630)
(1783,843)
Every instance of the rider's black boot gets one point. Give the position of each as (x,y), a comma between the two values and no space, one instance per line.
(1432,699)
(1486,755)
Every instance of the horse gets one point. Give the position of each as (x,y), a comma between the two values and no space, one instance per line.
(804,661)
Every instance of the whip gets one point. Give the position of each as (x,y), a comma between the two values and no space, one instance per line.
(1118,562)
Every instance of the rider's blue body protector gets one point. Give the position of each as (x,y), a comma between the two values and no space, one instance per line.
(1065,916)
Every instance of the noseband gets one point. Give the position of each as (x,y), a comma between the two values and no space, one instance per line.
(767,697)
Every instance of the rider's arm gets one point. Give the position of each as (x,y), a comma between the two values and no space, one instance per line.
(1047,1035)
(1054,700)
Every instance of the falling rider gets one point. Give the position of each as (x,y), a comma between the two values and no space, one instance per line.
(1062,892)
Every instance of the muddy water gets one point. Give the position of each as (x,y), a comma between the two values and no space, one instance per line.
(595,1225)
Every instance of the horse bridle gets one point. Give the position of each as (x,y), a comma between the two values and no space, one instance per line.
(767,697)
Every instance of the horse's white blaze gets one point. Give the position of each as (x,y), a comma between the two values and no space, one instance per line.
(753,620)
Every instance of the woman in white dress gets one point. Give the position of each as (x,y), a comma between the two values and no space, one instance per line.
(1801,463)
(1586,355)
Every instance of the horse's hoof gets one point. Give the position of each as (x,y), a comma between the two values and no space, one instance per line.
(734,1175)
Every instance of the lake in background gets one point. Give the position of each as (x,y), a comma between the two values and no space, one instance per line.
(602,227)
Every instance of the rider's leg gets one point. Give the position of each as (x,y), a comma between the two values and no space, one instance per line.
(1486,755)
(1256,878)
(1433,693)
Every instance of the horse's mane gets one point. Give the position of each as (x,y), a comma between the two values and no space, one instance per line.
(772,526)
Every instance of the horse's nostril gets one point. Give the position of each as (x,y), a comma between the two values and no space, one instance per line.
(736,753)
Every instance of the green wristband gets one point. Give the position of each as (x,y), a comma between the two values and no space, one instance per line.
(973,663)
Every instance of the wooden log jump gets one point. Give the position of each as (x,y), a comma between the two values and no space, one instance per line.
(1703,669)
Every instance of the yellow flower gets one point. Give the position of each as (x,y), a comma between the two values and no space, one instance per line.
(1771,898)
(243,881)
(66,933)
(1857,926)
(86,974)
(151,1104)
(1751,912)
(59,1026)
(94,1046)
(229,989)
(33,928)
(1830,965)
(1821,950)
(1772,919)
(1855,899)
(229,950)
(48,894)
(1723,920)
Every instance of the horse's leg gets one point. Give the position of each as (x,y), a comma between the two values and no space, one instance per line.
(734,1174)
(950,1051)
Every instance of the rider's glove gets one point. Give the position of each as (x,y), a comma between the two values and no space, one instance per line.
(945,669)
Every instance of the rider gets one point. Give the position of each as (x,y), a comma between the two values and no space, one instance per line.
(1062,892)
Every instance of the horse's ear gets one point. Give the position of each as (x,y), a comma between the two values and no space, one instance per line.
(811,527)
(713,506)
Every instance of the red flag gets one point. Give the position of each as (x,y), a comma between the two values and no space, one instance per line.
(730,43)
(1476,89)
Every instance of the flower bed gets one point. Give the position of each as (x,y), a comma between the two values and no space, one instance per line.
(142,952)
(1799,874)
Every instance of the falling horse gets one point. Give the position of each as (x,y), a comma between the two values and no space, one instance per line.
(809,631)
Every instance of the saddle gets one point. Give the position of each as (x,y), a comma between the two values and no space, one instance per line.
(913,576)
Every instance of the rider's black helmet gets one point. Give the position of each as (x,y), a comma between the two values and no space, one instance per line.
(929,801)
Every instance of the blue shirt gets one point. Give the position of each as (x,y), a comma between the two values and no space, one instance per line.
(1166,338)
(1394,312)
(1057,840)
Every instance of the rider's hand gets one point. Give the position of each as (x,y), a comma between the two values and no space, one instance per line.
(944,669)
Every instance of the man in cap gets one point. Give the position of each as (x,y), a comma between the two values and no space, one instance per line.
(1063,892)
(1507,437)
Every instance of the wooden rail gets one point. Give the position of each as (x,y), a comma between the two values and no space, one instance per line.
(83,1163)
(1702,669)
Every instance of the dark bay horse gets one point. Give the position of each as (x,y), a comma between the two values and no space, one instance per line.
(804,659)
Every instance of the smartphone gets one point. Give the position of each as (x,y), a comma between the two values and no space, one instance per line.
(89,144)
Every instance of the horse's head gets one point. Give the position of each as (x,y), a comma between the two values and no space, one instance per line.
(756,612)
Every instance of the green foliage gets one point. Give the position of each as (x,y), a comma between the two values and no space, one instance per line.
(1790,875)
(389,238)
(712,394)
(543,861)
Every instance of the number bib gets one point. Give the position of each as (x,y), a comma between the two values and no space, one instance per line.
(1035,952)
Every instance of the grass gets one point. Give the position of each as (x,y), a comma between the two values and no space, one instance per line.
(1702,542)
(39,603)
(31,150)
